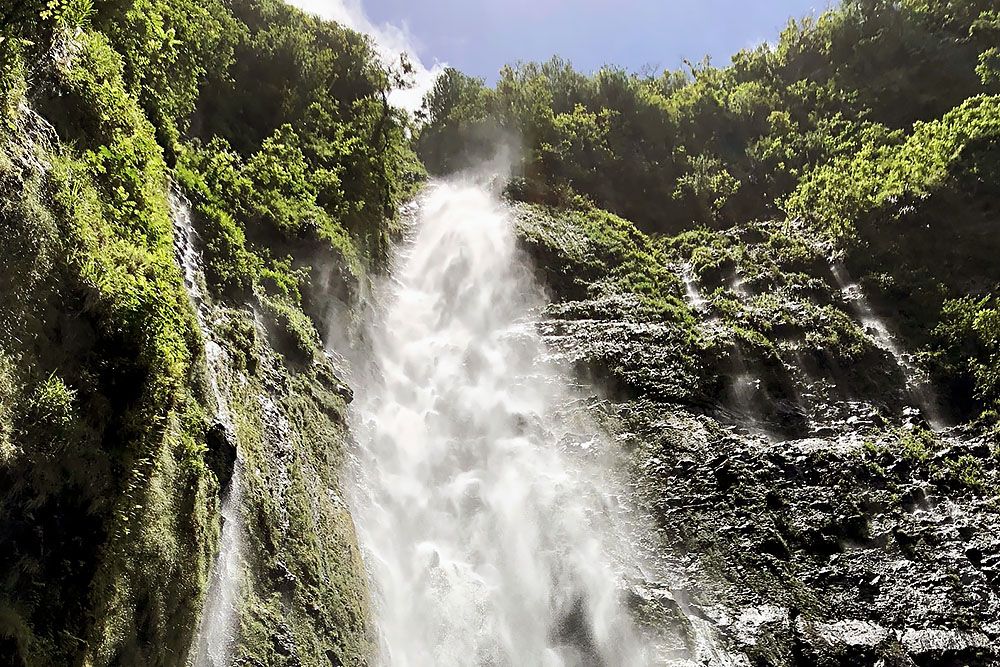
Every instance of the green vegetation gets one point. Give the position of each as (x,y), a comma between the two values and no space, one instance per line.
(102,342)
(924,455)
(717,146)
(867,133)
(277,127)
(591,252)
(305,592)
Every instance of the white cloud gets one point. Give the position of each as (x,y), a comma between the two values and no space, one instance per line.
(391,41)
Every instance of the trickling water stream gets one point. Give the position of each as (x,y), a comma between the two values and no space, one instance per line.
(484,521)
(217,629)
(917,384)
(692,293)
(745,388)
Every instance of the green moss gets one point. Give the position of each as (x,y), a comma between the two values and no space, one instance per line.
(242,342)
(709,252)
(105,354)
(754,340)
(304,599)
(606,253)
(872,453)
(105,463)
(9,392)
(292,332)
(926,456)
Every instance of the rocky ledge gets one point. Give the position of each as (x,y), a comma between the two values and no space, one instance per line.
(802,520)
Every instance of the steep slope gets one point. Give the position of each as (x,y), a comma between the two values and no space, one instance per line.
(126,402)
(808,509)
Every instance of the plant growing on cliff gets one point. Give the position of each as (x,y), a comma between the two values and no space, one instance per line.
(103,403)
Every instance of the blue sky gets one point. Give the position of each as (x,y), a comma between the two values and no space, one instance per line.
(479,37)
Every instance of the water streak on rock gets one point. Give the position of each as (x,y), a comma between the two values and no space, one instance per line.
(917,384)
(218,627)
(692,292)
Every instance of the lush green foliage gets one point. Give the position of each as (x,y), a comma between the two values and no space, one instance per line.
(305,102)
(881,175)
(276,126)
(919,214)
(600,254)
(967,345)
(102,342)
(716,146)
(873,128)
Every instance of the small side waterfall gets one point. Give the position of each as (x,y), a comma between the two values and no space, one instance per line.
(744,386)
(483,513)
(218,627)
(692,293)
(917,385)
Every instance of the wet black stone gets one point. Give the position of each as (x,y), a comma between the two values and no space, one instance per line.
(221,455)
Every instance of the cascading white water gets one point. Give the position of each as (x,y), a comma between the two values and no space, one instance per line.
(692,292)
(483,523)
(916,383)
(217,630)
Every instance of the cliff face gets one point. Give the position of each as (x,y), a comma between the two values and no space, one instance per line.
(288,585)
(813,493)
(156,353)
(103,481)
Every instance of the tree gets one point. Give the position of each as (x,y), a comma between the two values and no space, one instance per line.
(458,128)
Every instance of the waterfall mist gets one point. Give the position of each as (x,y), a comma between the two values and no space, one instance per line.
(484,501)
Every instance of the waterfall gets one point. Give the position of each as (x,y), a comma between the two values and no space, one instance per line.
(218,627)
(482,503)
(744,387)
(917,384)
(692,292)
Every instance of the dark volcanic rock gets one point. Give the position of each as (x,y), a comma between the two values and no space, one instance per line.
(803,530)
(633,356)
(808,514)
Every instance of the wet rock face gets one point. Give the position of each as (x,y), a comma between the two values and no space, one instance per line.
(221,457)
(806,552)
(304,601)
(609,341)
(811,516)
(736,322)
